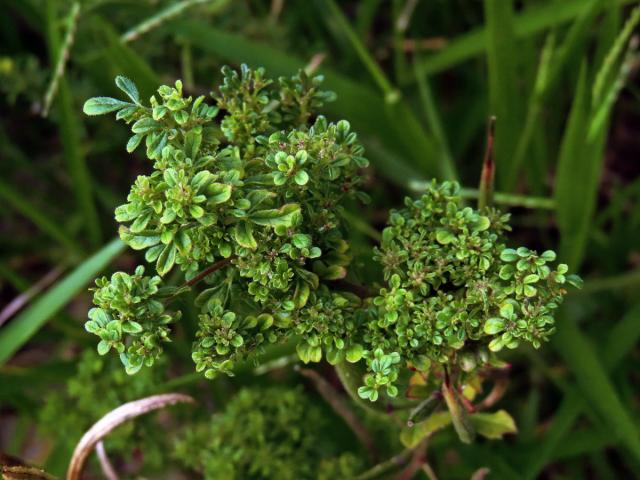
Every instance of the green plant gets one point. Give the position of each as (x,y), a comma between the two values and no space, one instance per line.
(246,196)
(266,433)
(417,81)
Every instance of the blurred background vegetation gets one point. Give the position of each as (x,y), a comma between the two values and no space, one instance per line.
(418,80)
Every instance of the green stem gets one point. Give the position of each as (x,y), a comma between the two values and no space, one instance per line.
(513,200)
(165,15)
(499,198)
(617,282)
(394,462)
(448,168)
(391,94)
(63,57)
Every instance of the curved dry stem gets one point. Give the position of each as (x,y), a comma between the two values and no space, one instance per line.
(496,393)
(480,474)
(105,464)
(115,418)
(335,400)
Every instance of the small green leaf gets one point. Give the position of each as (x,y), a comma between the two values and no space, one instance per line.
(509,255)
(532,278)
(506,310)
(335,355)
(493,326)
(301,178)
(102,105)
(494,425)
(196,211)
(283,216)
(354,353)
(308,353)
(243,234)
(218,193)
(300,240)
(166,259)
(334,272)
(140,241)
(482,224)
(496,345)
(128,87)
(183,241)
(548,255)
(103,347)
(412,436)
(131,327)
(444,237)
(133,142)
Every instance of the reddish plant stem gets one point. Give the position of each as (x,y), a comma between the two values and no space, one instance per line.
(485,196)
(208,271)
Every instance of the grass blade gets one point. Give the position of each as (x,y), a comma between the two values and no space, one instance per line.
(390,93)
(620,341)
(17,332)
(582,150)
(165,15)
(70,134)
(531,22)
(63,56)
(608,69)
(572,177)
(435,123)
(40,219)
(622,338)
(504,99)
(595,384)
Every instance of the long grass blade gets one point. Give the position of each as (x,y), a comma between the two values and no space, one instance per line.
(63,56)
(620,341)
(582,151)
(165,15)
(572,177)
(504,99)
(17,332)
(391,94)
(531,22)
(70,132)
(434,123)
(595,384)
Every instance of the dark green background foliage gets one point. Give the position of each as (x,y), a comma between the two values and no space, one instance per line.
(417,82)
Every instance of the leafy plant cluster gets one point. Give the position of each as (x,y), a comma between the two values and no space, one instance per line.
(273,432)
(455,293)
(249,182)
(247,194)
